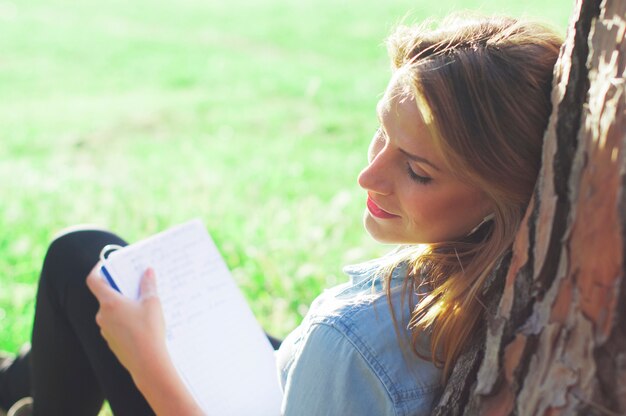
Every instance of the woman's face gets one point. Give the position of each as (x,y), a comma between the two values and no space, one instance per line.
(412,199)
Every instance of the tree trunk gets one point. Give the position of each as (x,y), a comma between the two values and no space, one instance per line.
(556,337)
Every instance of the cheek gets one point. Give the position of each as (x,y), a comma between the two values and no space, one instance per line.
(445,209)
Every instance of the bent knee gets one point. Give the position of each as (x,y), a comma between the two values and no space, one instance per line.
(75,250)
(77,229)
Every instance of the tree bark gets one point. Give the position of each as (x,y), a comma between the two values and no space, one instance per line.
(555,342)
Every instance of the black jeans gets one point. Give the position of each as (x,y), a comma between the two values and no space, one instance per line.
(72,370)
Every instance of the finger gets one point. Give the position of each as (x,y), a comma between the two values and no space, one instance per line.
(99,287)
(148,285)
(96,269)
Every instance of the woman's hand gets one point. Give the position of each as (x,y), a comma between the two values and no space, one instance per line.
(135,332)
(134,329)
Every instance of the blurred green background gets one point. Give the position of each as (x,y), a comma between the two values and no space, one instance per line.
(252,115)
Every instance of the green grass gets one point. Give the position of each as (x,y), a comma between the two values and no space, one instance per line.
(252,115)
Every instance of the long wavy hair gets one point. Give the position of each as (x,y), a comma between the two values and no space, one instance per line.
(482,85)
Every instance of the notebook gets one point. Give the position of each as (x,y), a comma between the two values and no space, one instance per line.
(214,340)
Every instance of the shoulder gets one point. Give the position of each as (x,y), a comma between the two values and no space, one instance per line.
(349,341)
(381,338)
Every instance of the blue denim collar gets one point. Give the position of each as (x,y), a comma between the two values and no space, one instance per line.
(373,269)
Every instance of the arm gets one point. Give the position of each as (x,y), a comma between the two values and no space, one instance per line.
(135,332)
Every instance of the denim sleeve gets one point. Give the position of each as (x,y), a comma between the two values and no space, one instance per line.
(330,377)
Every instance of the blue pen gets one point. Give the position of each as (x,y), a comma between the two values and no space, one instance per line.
(103,271)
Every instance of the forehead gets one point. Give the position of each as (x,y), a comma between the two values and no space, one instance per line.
(401,108)
(398,91)
(406,117)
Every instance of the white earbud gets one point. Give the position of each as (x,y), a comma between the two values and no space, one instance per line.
(487,218)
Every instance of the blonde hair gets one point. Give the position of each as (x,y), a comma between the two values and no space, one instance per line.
(483,87)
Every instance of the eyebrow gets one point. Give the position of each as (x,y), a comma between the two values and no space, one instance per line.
(419,159)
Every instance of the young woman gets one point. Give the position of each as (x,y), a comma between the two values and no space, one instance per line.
(451,170)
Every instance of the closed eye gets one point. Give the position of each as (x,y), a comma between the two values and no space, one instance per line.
(424,180)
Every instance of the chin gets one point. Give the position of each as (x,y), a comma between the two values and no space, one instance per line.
(384,240)
(387,235)
(379,232)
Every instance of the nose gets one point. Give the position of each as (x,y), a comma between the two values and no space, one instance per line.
(375,177)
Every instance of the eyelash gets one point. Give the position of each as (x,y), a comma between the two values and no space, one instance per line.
(424,180)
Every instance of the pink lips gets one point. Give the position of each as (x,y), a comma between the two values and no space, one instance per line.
(377,211)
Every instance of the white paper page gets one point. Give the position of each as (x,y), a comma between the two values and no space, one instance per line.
(214,340)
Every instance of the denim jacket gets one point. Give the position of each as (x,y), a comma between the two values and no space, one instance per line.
(346,358)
